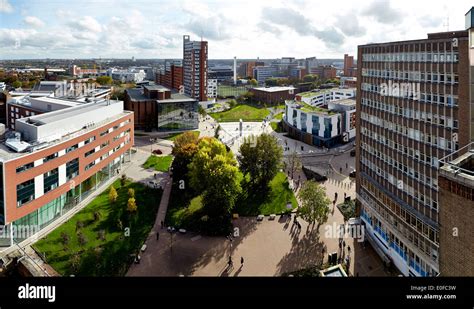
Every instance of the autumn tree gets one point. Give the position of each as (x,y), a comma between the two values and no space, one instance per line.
(113,195)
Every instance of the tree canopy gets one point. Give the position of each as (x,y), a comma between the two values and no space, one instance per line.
(313,203)
(260,157)
(104,80)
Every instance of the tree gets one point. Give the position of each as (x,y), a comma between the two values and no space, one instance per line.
(113,195)
(123,180)
(271,82)
(260,157)
(253,82)
(104,80)
(313,203)
(96,216)
(283,81)
(81,238)
(131,192)
(131,205)
(184,148)
(310,78)
(294,163)
(202,111)
(65,238)
(16,84)
(214,172)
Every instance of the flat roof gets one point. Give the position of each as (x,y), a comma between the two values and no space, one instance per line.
(275,89)
(347,102)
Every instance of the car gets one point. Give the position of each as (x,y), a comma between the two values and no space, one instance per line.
(157,152)
(352,174)
(353,153)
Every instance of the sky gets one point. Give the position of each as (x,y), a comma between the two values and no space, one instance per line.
(242,28)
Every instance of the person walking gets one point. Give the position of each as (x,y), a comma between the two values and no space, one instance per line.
(157,236)
(242,261)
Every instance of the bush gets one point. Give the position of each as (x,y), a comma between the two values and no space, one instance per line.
(65,238)
(113,195)
(131,193)
(79,225)
(123,180)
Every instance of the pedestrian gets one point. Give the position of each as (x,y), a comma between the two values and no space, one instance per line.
(162,224)
(340,170)
(345,194)
(230,261)
(346,166)
(242,261)
(157,236)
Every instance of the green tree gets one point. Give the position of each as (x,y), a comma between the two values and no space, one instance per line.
(113,195)
(16,84)
(132,205)
(271,82)
(104,80)
(184,148)
(261,158)
(253,82)
(214,172)
(283,81)
(202,111)
(313,203)
(310,78)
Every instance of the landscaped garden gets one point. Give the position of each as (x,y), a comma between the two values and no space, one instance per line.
(244,112)
(158,163)
(102,238)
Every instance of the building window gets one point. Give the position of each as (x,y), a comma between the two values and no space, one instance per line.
(25,192)
(104,132)
(25,167)
(72,148)
(51,180)
(88,166)
(72,169)
(89,153)
(50,157)
(89,140)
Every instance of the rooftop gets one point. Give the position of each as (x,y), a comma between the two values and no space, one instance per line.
(275,89)
(459,165)
(305,107)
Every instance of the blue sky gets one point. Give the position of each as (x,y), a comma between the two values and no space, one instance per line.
(242,28)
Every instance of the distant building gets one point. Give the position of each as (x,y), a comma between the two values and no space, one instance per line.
(246,69)
(156,107)
(171,77)
(221,73)
(348,82)
(273,95)
(262,73)
(195,68)
(132,75)
(212,85)
(324,72)
(349,67)
(318,97)
(297,72)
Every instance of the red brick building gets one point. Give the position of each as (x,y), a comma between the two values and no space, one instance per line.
(273,95)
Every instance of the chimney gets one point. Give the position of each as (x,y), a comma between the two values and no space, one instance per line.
(235,70)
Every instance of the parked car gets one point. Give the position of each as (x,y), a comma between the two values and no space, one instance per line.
(157,152)
(353,153)
(352,174)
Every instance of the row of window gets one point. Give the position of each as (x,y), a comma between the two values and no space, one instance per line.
(412,91)
(50,157)
(414,76)
(404,151)
(416,114)
(435,57)
(417,135)
(416,175)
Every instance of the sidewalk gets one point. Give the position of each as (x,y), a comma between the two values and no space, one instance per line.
(152,244)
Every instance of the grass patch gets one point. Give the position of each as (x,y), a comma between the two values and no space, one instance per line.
(347,209)
(174,136)
(244,112)
(159,163)
(277,127)
(110,255)
(274,202)
(278,116)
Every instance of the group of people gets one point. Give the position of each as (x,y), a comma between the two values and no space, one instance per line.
(230,263)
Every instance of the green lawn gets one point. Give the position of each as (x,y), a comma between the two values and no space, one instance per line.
(159,163)
(244,112)
(109,256)
(174,136)
(278,116)
(272,203)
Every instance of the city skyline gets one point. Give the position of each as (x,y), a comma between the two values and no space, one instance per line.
(100,29)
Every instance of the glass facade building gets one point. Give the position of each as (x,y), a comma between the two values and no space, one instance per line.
(178,115)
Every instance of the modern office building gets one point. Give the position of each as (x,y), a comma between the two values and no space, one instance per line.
(171,77)
(261,73)
(414,108)
(221,73)
(195,68)
(54,160)
(324,125)
(273,95)
(212,85)
(156,107)
(246,68)
(131,75)
(456,213)
(350,69)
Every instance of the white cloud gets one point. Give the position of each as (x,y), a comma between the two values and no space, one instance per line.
(33,21)
(86,23)
(5,6)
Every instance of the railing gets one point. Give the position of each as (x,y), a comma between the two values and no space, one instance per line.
(450,160)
